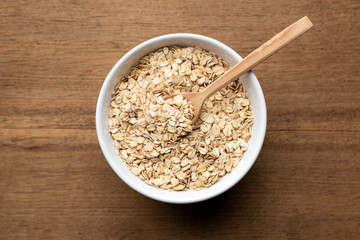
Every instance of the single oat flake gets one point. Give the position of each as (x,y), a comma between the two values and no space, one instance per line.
(155,138)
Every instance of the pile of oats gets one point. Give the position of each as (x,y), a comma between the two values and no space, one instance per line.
(155,138)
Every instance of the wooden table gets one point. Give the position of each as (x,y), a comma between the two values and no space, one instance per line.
(55,182)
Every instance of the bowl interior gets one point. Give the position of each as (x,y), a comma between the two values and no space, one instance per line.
(122,68)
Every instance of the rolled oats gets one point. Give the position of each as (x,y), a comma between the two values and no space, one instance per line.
(155,137)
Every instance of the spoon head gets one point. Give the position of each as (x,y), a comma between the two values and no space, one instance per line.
(195,98)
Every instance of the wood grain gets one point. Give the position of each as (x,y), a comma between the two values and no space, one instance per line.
(55,182)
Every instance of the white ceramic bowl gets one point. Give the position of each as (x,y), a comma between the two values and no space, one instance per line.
(122,68)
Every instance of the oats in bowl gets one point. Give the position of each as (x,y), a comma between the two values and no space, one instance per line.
(155,138)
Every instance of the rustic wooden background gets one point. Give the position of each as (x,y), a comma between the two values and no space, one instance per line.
(55,182)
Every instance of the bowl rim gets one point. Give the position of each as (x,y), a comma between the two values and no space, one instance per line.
(100,104)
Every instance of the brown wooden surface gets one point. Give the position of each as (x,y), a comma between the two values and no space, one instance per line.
(55,182)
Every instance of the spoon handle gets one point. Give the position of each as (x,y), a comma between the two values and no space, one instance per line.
(273,45)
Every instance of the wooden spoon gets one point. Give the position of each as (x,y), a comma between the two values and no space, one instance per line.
(253,59)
